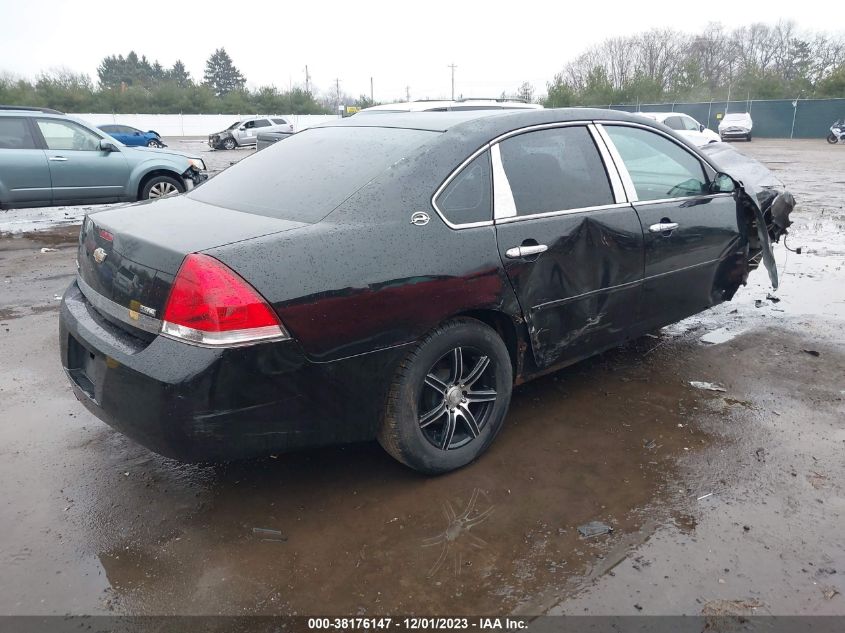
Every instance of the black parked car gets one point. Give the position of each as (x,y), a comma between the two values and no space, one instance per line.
(396,278)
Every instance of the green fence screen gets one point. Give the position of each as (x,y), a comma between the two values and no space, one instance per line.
(773,118)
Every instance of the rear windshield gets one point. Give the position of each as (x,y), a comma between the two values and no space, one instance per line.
(311,173)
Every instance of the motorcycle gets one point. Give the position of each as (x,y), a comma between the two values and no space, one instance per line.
(837,132)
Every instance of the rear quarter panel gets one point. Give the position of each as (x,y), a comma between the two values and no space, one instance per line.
(366,278)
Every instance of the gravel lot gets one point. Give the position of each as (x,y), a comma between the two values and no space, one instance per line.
(721,502)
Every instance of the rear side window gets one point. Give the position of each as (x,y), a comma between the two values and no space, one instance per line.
(67,135)
(674,122)
(467,198)
(15,134)
(311,173)
(279,121)
(658,167)
(555,170)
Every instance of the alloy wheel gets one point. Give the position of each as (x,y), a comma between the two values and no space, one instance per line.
(161,189)
(457,398)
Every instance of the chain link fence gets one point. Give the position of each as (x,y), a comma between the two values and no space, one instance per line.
(773,118)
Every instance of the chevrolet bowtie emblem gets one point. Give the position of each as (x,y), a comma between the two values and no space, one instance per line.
(100,255)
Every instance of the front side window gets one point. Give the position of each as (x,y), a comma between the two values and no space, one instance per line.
(262,123)
(690,124)
(555,170)
(659,168)
(15,134)
(468,197)
(67,135)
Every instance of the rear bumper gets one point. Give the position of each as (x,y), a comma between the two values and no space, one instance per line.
(199,404)
(735,133)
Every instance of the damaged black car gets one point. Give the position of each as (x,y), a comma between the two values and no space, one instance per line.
(398,277)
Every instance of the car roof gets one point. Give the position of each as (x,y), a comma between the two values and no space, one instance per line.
(661,116)
(484,120)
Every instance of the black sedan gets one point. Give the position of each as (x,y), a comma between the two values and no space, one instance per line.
(394,279)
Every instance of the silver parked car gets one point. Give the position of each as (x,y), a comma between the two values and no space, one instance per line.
(245,131)
(736,125)
(50,159)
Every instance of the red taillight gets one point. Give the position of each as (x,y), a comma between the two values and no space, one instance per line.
(106,235)
(210,304)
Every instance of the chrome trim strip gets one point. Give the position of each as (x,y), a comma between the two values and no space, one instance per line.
(235,338)
(450,178)
(709,196)
(116,311)
(503,202)
(551,214)
(627,183)
(609,165)
(534,128)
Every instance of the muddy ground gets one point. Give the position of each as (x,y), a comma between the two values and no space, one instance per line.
(720,501)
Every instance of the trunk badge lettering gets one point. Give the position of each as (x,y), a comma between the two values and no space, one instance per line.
(100,255)
(147,311)
(420,218)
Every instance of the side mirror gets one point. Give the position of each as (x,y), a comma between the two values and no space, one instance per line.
(242,128)
(107,146)
(701,127)
(722,183)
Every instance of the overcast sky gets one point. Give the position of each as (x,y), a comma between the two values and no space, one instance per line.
(495,45)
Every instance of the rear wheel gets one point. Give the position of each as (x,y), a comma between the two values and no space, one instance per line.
(229,143)
(160,187)
(832,138)
(448,398)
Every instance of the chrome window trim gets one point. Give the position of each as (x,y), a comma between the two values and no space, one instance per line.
(551,214)
(504,205)
(627,183)
(449,179)
(708,196)
(609,165)
(116,311)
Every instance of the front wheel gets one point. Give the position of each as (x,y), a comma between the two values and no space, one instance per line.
(161,187)
(832,138)
(448,398)
(154,143)
(230,143)
(748,138)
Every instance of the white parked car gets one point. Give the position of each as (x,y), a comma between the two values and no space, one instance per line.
(736,125)
(695,132)
(449,106)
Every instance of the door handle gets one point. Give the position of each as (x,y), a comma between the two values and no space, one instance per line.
(518,252)
(59,159)
(663,227)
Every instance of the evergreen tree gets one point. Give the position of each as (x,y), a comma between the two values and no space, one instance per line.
(221,75)
(179,75)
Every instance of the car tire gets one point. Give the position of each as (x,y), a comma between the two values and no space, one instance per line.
(748,138)
(160,187)
(462,411)
(154,143)
(230,143)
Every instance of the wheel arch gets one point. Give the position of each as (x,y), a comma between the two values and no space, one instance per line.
(512,332)
(152,174)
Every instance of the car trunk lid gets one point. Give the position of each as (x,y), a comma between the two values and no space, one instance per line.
(128,257)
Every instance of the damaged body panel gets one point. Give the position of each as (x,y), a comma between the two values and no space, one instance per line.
(558,233)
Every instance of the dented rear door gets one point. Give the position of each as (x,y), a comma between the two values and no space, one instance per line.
(572,249)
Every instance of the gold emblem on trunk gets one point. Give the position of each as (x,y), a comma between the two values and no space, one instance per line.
(100,255)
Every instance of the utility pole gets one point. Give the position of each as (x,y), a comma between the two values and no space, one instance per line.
(453,67)
(372,99)
(307,80)
(337,95)
(408,94)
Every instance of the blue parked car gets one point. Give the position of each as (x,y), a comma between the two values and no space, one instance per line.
(132,136)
